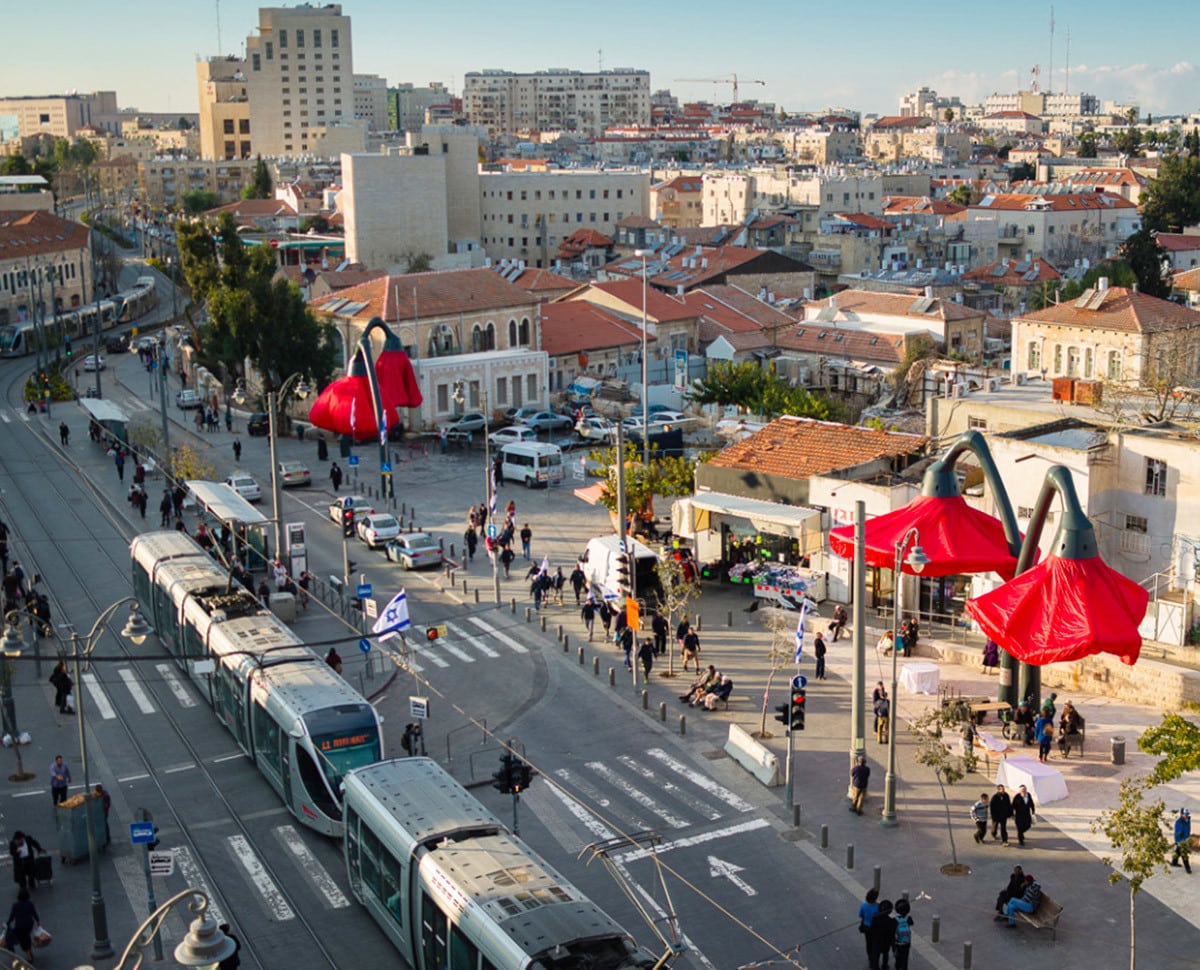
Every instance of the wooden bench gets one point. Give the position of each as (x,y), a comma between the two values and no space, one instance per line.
(1045,917)
(1068,741)
(980,709)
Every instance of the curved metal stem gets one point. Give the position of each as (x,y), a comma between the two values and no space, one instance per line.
(152,926)
(940,481)
(10,959)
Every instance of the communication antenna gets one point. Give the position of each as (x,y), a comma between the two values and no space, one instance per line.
(1050,74)
(1067,83)
(218,6)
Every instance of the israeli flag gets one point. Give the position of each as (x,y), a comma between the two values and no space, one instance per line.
(394,618)
(800,631)
(545,567)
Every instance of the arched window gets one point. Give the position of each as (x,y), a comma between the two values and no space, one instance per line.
(1035,355)
(1072,361)
(490,342)
(1089,362)
(512,333)
(1114,365)
(524,331)
(1058,359)
(476,338)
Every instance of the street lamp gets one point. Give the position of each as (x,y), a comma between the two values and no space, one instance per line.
(12,645)
(644,253)
(136,630)
(171,277)
(916,561)
(204,946)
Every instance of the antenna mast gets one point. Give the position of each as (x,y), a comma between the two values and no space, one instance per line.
(1050,73)
(1067,84)
(220,49)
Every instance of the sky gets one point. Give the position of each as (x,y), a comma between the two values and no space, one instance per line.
(811,53)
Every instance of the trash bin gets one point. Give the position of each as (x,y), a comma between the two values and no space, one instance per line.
(70,819)
(1118,750)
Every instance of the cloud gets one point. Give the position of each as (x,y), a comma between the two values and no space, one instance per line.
(1155,88)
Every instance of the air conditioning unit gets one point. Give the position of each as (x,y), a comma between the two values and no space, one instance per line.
(991,384)
(961,389)
(1021,378)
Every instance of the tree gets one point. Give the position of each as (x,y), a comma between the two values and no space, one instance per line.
(198,201)
(317,223)
(1025,172)
(418,262)
(1172,200)
(929,730)
(668,476)
(1176,741)
(948,114)
(183,124)
(1135,830)
(677,592)
(15,165)
(1087,145)
(260,186)
(1128,142)
(781,651)
(1148,260)
(960,195)
(747,386)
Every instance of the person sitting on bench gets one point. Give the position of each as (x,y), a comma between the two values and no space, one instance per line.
(1025,719)
(715,694)
(1069,724)
(709,678)
(1028,902)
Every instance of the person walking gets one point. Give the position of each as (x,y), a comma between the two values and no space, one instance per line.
(335,476)
(526,540)
(606,617)
(60,779)
(904,925)
(868,909)
(106,804)
(883,712)
(860,776)
(1023,811)
(22,919)
(64,433)
(119,461)
(588,615)
(881,935)
(661,628)
(24,850)
(691,649)
(979,815)
(1183,838)
(165,507)
(61,680)
(646,657)
(626,642)
(819,651)
(237,449)
(1045,737)
(559,582)
(506,559)
(471,542)
(1000,809)
(578,581)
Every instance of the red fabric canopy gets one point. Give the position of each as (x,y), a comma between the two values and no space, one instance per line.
(345,407)
(956,537)
(1064,609)
(397,383)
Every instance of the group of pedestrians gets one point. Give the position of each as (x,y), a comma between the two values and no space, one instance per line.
(997,809)
(886,935)
(206,419)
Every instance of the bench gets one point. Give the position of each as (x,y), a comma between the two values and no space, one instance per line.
(1045,917)
(980,709)
(1068,741)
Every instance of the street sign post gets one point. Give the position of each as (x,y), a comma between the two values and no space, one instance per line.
(418,707)
(364,645)
(799,682)
(364,590)
(386,467)
(372,608)
(141,833)
(352,461)
(162,863)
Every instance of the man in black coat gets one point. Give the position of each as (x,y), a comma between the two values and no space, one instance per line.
(1000,808)
(1023,812)
(1015,888)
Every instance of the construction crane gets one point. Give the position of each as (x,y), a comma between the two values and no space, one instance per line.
(731,79)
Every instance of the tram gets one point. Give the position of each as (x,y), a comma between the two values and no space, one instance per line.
(20,338)
(298,721)
(452,887)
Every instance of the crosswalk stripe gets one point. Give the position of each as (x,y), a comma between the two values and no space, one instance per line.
(598,829)
(192,876)
(475,642)
(175,685)
(598,798)
(453,651)
(666,785)
(5,418)
(701,781)
(316,873)
(277,906)
(429,655)
(140,698)
(23,416)
(99,699)
(502,637)
(639,796)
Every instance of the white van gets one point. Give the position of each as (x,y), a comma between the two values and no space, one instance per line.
(600,560)
(532,463)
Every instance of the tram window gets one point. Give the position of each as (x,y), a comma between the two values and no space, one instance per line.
(193,646)
(266,738)
(164,614)
(391,877)
(141,584)
(433,933)
(352,844)
(314,783)
(370,863)
(463,953)
(487,965)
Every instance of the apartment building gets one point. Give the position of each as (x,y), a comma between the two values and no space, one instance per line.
(1059,227)
(926,103)
(224,108)
(407,104)
(44,262)
(505,102)
(370,101)
(893,138)
(56,116)
(527,215)
(163,181)
(678,203)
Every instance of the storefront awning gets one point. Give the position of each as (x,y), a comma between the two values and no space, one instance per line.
(592,494)
(691,515)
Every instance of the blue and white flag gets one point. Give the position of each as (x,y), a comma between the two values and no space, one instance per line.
(495,495)
(800,631)
(545,568)
(393,619)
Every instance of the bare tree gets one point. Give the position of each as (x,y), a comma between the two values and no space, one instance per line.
(782,650)
(933,751)
(677,592)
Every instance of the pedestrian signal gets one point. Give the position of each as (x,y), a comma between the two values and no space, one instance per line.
(797,708)
(348,523)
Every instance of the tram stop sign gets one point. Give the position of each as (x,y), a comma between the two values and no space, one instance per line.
(352,461)
(364,645)
(799,682)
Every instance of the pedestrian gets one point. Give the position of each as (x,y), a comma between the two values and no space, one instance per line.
(24,850)
(237,449)
(526,538)
(1000,809)
(264,594)
(606,617)
(335,476)
(471,542)
(119,461)
(904,925)
(139,473)
(883,717)
(60,780)
(588,615)
(536,590)
(868,909)
(691,648)
(1015,887)
(1183,838)
(64,433)
(979,815)
(912,633)
(877,693)
(198,419)
(1045,738)
(334,659)
(1028,902)
(882,935)
(838,622)
(305,579)
(41,612)
(625,640)
(233,961)
(559,582)
(506,559)
(860,775)
(510,510)
(578,581)
(279,571)
(409,741)
(1023,811)
(819,651)
(498,471)
(228,418)
(322,449)
(178,494)
(646,656)
(63,685)
(661,628)
(22,920)
(4,555)
(142,500)
(106,804)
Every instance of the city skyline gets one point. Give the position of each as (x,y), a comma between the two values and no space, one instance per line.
(150,64)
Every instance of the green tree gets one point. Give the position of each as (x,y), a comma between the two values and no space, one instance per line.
(1172,200)
(1087,145)
(317,223)
(668,476)
(418,263)
(745,385)
(183,124)
(1148,260)
(1176,741)
(15,165)
(1128,142)
(960,194)
(260,186)
(198,201)
(1025,172)
(948,114)
(1135,830)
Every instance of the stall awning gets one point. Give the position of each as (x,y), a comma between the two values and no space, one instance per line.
(103,410)
(591,494)
(693,514)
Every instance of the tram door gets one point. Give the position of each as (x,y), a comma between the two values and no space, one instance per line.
(433,934)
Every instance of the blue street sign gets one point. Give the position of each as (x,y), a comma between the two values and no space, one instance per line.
(491,531)
(364,645)
(364,591)
(352,460)
(386,467)
(799,682)
(141,833)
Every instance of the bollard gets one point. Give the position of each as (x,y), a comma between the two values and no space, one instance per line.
(581,658)
(967,955)
(904,895)
(662,712)
(850,856)
(935,929)
(795,816)
(877,877)
(464,587)
(560,631)
(566,640)
(824,836)
(476,595)
(543,618)
(682,724)
(566,645)
(528,615)
(612,676)
(729,618)
(512,604)
(645,700)
(699,623)
(403,510)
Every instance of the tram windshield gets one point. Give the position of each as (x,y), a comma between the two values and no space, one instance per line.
(7,336)
(353,744)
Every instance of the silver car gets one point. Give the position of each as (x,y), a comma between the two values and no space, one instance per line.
(414,550)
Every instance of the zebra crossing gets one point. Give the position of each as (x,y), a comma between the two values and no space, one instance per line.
(469,640)
(8,415)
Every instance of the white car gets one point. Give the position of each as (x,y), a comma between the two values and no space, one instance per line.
(245,486)
(512,435)
(596,429)
(667,416)
(293,473)
(360,503)
(414,550)
(93,362)
(378,528)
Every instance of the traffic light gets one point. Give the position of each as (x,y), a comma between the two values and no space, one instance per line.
(522,775)
(503,779)
(431,633)
(67,347)
(797,708)
(623,572)
(784,714)
(348,523)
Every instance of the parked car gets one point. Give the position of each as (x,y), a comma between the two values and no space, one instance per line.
(259,424)
(293,473)
(596,429)
(518,415)
(94,362)
(187,399)
(665,415)
(467,423)
(245,486)
(378,528)
(547,421)
(414,550)
(360,503)
(509,435)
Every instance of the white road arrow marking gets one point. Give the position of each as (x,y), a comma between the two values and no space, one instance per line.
(720,869)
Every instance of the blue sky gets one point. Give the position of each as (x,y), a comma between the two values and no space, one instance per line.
(811,53)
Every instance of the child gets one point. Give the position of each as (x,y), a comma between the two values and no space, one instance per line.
(1044,741)
(903,933)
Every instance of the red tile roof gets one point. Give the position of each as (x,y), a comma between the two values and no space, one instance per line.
(638,222)
(865,221)
(254,209)
(890,304)
(1177,242)
(799,448)
(660,307)
(1065,202)
(831,340)
(538,280)
(1188,279)
(582,240)
(683,183)
(1012,114)
(38,233)
(350,277)
(1011,276)
(574,326)
(896,121)
(734,309)
(919,205)
(1108,176)
(428,295)
(1120,309)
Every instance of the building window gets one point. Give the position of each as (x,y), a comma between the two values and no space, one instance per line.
(270,51)
(1035,355)
(512,333)
(1058,359)
(1138,524)
(1072,361)
(1024,511)
(443,398)
(316,38)
(1089,364)
(255,61)
(490,335)
(524,332)
(1114,365)
(282,39)
(501,390)
(333,38)
(978,424)
(227,126)
(243,126)
(1156,477)
(299,38)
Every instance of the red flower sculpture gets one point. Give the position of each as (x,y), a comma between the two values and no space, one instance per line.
(345,407)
